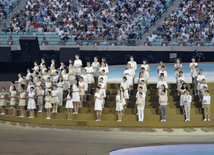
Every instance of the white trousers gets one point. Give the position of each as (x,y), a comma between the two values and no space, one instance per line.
(140,113)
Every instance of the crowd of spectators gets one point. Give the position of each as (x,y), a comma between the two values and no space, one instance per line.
(115,20)
(192,22)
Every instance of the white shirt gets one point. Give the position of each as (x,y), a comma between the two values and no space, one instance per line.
(104,68)
(54,93)
(138,95)
(28,76)
(55,79)
(29,86)
(160,83)
(202,87)
(77,63)
(195,74)
(200,78)
(105,79)
(207,99)
(164,72)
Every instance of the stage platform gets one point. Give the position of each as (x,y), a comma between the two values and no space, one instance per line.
(86,115)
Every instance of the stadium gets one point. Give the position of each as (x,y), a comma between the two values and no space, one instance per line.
(97,77)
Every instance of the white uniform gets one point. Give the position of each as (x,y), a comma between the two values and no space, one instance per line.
(37,87)
(60,91)
(103,85)
(133,66)
(77,63)
(2,101)
(104,68)
(202,88)
(48,86)
(96,67)
(192,68)
(90,76)
(119,104)
(98,102)
(69,103)
(180,79)
(105,79)
(54,97)
(146,66)
(20,82)
(76,96)
(128,73)
(125,86)
(72,73)
(164,73)
(66,82)
(200,78)
(159,84)
(182,97)
(31,102)
(85,79)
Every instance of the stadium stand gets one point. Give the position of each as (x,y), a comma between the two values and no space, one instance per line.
(85,23)
(190,25)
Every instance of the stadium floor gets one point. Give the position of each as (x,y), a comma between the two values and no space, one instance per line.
(116,72)
(32,139)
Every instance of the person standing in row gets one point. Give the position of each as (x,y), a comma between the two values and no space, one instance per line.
(159,67)
(13,100)
(66,79)
(119,106)
(160,83)
(22,101)
(3,96)
(19,82)
(98,104)
(176,66)
(140,106)
(82,91)
(199,80)
(128,73)
(105,68)
(72,73)
(195,76)
(163,99)
(103,90)
(147,68)
(180,80)
(192,67)
(206,104)
(69,104)
(125,86)
(187,104)
(133,67)
(96,67)
(203,87)
(31,102)
(183,90)
(48,85)
(55,99)
(48,105)
(90,73)
(60,87)
(40,94)
(77,66)
(76,96)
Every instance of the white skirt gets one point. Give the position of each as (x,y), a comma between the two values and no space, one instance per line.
(98,105)
(31,104)
(69,104)
(2,102)
(12,101)
(76,97)
(48,105)
(119,106)
(55,99)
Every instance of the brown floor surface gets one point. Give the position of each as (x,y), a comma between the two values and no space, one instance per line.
(32,139)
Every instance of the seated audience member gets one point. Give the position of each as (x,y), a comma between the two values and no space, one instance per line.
(10,41)
(44,41)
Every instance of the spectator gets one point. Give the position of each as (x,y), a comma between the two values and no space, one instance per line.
(164,43)
(61,42)
(151,39)
(44,41)
(66,38)
(5,28)
(147,42)
(10,41)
